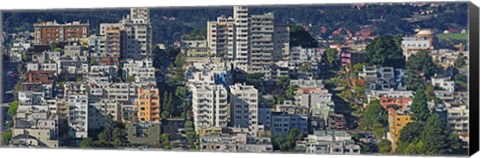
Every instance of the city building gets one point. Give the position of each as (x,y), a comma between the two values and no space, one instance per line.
(240,142)
(35,128)
(244,107)
(78,116)
(310,97)
(99,109)
(142,71)
(397,120)
(328,142)
(148,104)
(209,105)
(443,82)
(51,31)
(283,122)
(144,133)
(421,41)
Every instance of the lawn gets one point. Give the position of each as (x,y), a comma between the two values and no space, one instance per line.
(455,36)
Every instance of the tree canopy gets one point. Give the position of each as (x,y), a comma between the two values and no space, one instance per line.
(385,51)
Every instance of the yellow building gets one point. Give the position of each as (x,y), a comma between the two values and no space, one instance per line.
(396,123)
(148,104)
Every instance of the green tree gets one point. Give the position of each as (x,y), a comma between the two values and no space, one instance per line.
(374,114)
(358,67)
(421,63)
(12,109)
(86,143)
(419,106)
(300,37)
(385,51)
(305,67)
(436,136)
(130,79)
(6,136)
(166,142)
(415,148)
(287,143)
(291,89)
(459,62)
(385,146)
(331,55)
(408,135)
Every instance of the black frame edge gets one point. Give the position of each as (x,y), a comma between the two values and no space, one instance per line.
(473,29)
(1,74)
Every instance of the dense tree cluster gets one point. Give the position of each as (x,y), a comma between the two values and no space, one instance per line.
(385,51)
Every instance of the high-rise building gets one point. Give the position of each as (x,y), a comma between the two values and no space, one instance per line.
(148,104)
(261,42)
(209,105)
(249,42)
(244,105)
(51,31)
(78,116)
(136,34)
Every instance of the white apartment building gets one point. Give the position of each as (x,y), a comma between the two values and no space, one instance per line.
(310,97)
(457,116)
(78,116)
(240,142)
(443,82)
(122,92)
(301,83)
(249,42)
(42,66)
(421,41)
(31,98)
(244,107)
(209,105)
(328,142)
(142,70)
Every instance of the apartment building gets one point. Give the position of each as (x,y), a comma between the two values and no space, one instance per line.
(42,77)
(148,104)
(397,120)
(74,50)
(144,133)
(209,105)
(35,128)
(142,70)
(377,94)
(78,116)
(51,31)
(261,42)
(42,67)
(443,82)
(249,42)
(244,107)
(310,97)
(31,97)
(131,36)
(99,109)
(302,83)
(328,142)
(240,142)
(421,41)
(283,122)
(281,43)
(457,117)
